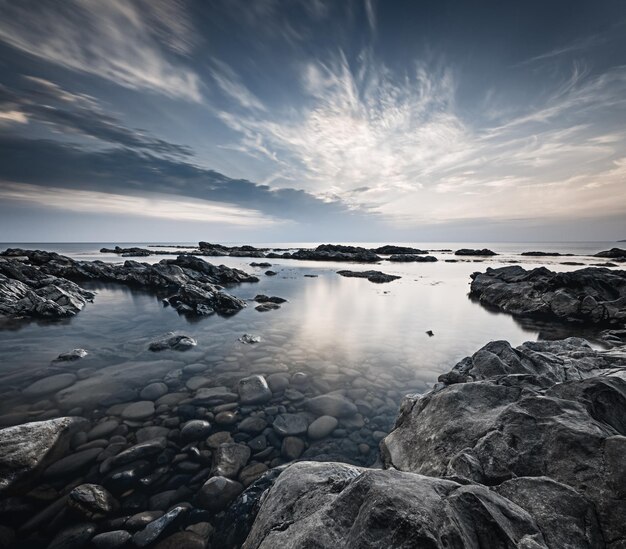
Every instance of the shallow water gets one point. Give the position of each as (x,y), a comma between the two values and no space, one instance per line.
(330,324)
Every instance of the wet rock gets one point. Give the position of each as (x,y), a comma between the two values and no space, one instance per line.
(253,390)
(249,339)
(103,429)
(250,473)
(25,450)
(322,427)
(195,429)
(50,384)
(71,356)
(73,537)
(292,448)
(137,411)
(212,396)
(407,258)
(405,250)
(149,433)
(373,276)
(613,253)
(230,458)
(71,464)
(331,404)
(159,527)
(483,252)
(91,501)
(173,342)
(142,519)
(217,493)
(139,451)
(262,298)
(226,418)
(182,540)
(111,540)
(270,273)
(264,307)
(290,424)
(154,391)
(252,425)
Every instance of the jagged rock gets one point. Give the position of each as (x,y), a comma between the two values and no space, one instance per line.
(91,501)
(172,341)
(249,339)
(71,356)
(332,252)
(373,276)
(613,253)
(25,450)
(127,252)
(591,295)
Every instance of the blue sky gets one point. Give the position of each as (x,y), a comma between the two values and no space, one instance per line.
(312,120)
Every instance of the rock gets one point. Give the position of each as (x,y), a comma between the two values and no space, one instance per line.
(91,502)
(111,540)
(591,295)
(278,382)
(226,418)
(351,507)
(127,252)
(103,429)
(322,427)
(333,252)
(253,390)
(172,341)
(71,464)
(137,452)
(182,540)
(545,409)
(50,384)
(159,527)
(404,250)
(290,424)
(212,396)
(270,273)
(71,356)
(407,258)
(542,254)
(613,253)
(217,493)
(250,339)
(263,264)
(483,252)
(264,307)
(261,298)
(74,536)
(139,410)
(25,450)
(252,425)
(373,276)
(331,404)
(195,429)
(292,448)
(153,391)
(230,458)
(250,473)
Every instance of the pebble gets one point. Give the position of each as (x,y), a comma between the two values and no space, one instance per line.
(91,501)
(103,429)
(322,427)
(50,384)
(158,527)
(111,540)
(230,458)
(290,424)
(195,430)
(72,463)
(217,493)
(292,448)
(153,391)
(253,390)
(139,410)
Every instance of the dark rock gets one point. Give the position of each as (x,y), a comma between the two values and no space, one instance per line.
(172,341)
(271,273)
(253,390)
(292,448)
(331,404)
(73,537)
(70,356)
(405,250)
(290,424)
(182,540)
(217,493)
(160,527)
(261,298)
(91,501)
(111,540)
(195,429)
(139,451)
(71,464)
(373,276)
(542,254)
(613,253)
(230,458)
(467,251)
(408,258)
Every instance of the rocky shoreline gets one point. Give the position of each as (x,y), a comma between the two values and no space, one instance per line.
(196,464)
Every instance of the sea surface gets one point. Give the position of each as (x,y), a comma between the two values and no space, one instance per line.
(377,332)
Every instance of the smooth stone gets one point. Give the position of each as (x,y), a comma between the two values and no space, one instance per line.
(72,463)
(153,391)
(73,537)
(158,527)
(252,425)
(182,540)
(111,540)
(226,418)
(253,390)
(216,439)
(331,404)
(137,452)
(251,473)
(142,519)
(91,501)
(322,427)
(194,383)
(50,384)
(258,443)
(103,429)
(278,382)
(290,424)
(230,458)
(139,410)
(214,395)
(195,430)
(217,493)
(149,433)
(292,448)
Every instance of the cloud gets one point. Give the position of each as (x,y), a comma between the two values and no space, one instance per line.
(76,114)
(138,44)
(231,85)
(148,205)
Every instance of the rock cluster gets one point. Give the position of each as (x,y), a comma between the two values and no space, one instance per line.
(591,295)
(613,253)
(483,252)
(127,252)
(513,448)
(42,283)
(331,252)
(412,258)
(373,276)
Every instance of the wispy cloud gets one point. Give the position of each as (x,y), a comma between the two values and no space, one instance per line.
(137,44)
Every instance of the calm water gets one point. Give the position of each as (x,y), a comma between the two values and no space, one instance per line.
(331,325)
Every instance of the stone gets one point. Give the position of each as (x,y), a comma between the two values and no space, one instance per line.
(250,473)
(71,464)
(292,448)
(111,540)
(91,502)
(252,425)
(50,384)
(149,433)
(230,458)
(212,396)
(483,252)
(290,424)
(249,339)
(331,404)
(77,535)
(253,390)
(153,391)
(322,427)
(102,429)
(195,429)
(26,450)
(217,493)
(226,418)
(71,356)
(182,540)
(139,451)
(172,341)
(373,276)
(160,527)
(137,411)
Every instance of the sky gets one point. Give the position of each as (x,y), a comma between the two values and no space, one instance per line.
(312,120)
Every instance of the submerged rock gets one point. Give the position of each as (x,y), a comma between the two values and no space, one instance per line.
(71,356)
(172,341)
(373,276)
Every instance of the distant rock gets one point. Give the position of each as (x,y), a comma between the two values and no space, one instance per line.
(409,258)
(373,276)
(543,254)
(127,252)
(613,253)
(390,249)
(467,251)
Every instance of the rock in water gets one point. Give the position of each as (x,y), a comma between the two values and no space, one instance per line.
(172,341)
(254,390)
(91,501)
(483,252)
(70,356)
(373,276)
(25,450)
(249,339)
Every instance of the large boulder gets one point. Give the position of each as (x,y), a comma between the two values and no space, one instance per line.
(26,450)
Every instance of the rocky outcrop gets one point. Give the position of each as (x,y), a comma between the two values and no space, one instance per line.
(591,295)
(467,251)
(613,253)
(411,258)
(25,291)
(390,249)
(332,252)
(192,285)
(127,252)
(25,450)
(373,276)
(514,448)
